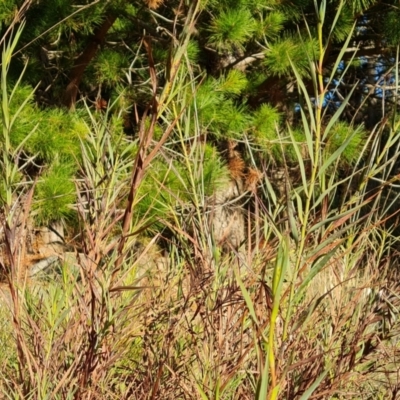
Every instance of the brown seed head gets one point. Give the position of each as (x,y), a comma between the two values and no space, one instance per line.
(253,177)
(154,4)
(236,167)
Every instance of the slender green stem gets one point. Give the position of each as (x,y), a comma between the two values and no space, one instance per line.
(314,175)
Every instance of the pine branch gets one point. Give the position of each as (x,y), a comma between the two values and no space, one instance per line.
(84,60)
(242,63)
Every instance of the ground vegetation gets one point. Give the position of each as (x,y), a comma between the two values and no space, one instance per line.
(225,174)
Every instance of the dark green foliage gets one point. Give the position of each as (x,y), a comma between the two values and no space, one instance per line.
(344,25)
(290,51)
(231,100)
(392,27)
(338,135)
(7,10)
(110,66)
(169,186)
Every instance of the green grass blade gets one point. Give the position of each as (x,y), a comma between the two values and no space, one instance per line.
(300,160)
(335,156)
(337,114)
(246,296)
(307,394)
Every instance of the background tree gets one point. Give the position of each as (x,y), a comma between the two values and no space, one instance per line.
(241,56)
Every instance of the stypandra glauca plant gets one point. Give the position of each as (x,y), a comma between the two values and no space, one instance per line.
(327,324)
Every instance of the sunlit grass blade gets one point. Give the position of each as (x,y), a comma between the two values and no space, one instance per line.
(301,163)
(307,394)
(335,118)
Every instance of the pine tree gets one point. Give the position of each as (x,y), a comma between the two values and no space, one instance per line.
(240,60)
